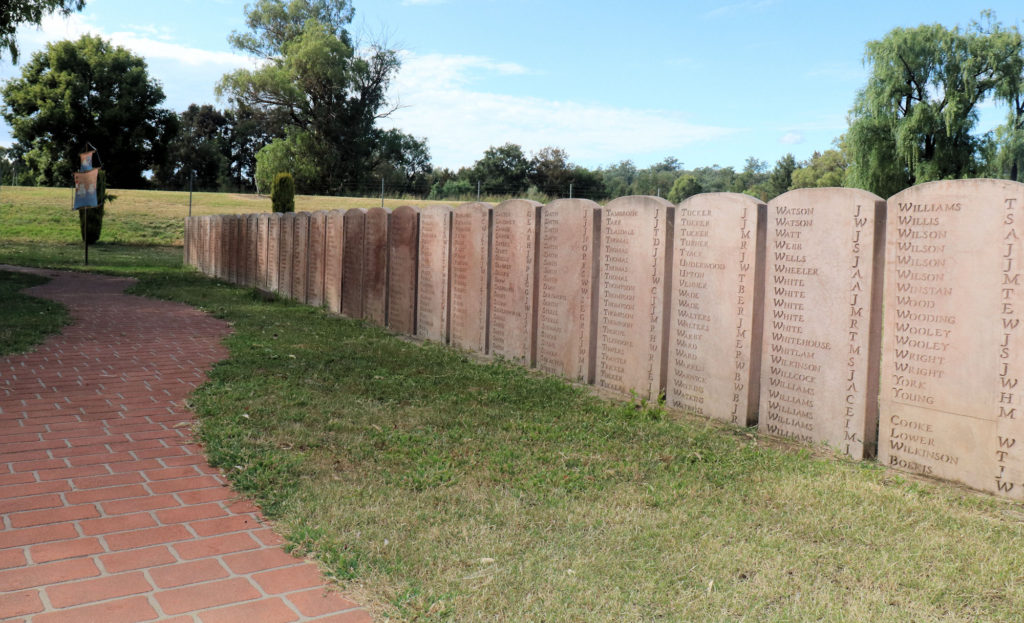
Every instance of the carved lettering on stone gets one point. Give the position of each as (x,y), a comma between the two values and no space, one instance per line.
(335,242)
(953,352)
(432,292)
(353,263)
(375,271)
(714,344)
(287,255)
(251,249)
(567,291)
(470,276)
(262,237)
(403,242)
(513,280)
(274,251)
(317,258)
(819,370)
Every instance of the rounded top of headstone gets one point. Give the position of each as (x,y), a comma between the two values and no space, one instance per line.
(717,199)
(444,207)
(638,201)
(405,209)
(473,207)
(355,212)
(377,210)
(572,204)
(831,194)
(959,188)
(517,204)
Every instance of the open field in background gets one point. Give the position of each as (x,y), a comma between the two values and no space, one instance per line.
(433,487)
(143,216)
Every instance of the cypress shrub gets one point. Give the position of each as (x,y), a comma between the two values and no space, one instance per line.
(282,193)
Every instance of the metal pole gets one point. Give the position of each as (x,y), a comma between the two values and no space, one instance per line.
(570,190)
(478,190)
(382,191)
(191,177)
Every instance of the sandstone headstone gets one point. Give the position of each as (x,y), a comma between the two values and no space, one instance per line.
(262,237)
(567,289)
(317,258)
(274,251)
(714,342)
(251,249)
(230,248)
(403,241)
(819,370)
(953,352)
(287,255)
(353,263)
(375,271)
(300,253)
(432,302)
(512,325)
(335,242)
(207,259)
(631,330)
(470,276)
(238,249)
(223,246)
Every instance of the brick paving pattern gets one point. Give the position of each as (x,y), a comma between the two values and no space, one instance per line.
(110,512)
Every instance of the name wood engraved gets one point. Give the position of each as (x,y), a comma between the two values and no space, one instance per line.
(470,276)
(353,262)
(952,357)
(403,246)
(274,251)
(335,244)
(714,344)
(375,271)
(820,348)
(432,291)
(287,255)
(317,258)
(631,329)
(567,291)
(513,294)
(262,240)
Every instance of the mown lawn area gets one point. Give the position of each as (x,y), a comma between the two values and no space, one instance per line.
(434,487)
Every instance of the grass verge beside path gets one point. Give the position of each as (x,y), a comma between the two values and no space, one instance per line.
(25,321)
(435,488)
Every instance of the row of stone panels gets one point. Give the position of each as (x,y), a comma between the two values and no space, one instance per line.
(736,310)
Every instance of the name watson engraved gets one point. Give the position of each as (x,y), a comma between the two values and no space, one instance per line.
(403,240)
(432,273)
(470,276)
(375,269)
(819,370)
(566,296)
(952,357)
(714,344)
(513,280)
(353,262)
(631,329)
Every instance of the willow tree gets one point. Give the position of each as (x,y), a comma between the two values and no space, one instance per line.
(915,120)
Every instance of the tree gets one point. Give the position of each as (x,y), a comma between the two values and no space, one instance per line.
(200,146)
(551,172)
(685,186)
(87,91)
(313,93)
(15,12)
(914,120)
(502,170)
(781,177)
(822,170)
(619,178)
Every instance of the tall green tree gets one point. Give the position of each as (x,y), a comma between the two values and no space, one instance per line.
(89,90)
(503,170)
(313,91)
(16,12)
(200,148)
(914,121)
(823,169)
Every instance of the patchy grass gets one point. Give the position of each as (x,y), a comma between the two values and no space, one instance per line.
(141,217)
(436,488)
(116,259)
(26,321)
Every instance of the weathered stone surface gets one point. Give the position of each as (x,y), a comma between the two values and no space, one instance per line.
(286,257)
(432,300)
(819,371)
(403,243)
(231,265)
(631,329)
(262,239)
(567,288)
(251,249)
(353,263)
(317,258)
(223,246)
(300,254)
(375,271)
(470,276)
(274,251)
(512,325)
(953,352)
(335,243)
(714,343)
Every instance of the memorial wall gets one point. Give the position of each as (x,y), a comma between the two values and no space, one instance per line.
(752,314)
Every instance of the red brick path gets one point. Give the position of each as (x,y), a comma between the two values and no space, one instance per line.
(109,511)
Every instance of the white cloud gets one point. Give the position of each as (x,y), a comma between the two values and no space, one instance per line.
(461,122)
(792,138)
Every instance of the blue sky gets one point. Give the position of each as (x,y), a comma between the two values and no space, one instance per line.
(705,82)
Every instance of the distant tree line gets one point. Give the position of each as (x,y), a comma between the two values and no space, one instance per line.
(311,107)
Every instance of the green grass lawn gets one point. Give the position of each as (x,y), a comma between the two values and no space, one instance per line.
(433,487)
(25,321)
